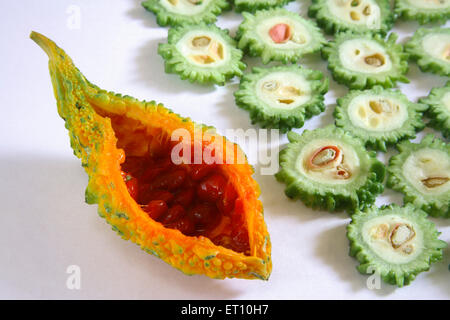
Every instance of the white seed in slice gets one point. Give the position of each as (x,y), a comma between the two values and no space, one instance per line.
(375,60)
(401,234)
(435,181)
(202,41)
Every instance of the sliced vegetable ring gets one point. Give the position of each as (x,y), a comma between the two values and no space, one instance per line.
(394,242)
(422,173)
(430,48)
(254,5)
(278,35)
(379,117)
(439,111)
(202,53)
(355,15)
(423,11)
(364,60)
(329,169)
(181,12)
(282,97)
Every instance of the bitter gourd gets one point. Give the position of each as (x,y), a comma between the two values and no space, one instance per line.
(278,35)
(430,48)
(439,109)
(202,53)
(329,169)
(365,60)
(422,173)
(423,11)
(282,97)
(379,116)
(182,12)
(396,243)
(254,5)
(335,16)
(179,190)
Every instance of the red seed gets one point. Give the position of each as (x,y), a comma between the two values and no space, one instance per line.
(212,188)
(173,214)
(203,214)
(185,197)
(132,186)
(199,171)
(150,195)
(170,181)
(280,33)
(155,209)
(186,226)
(240,241)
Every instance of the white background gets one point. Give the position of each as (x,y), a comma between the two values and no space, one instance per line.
(45,224)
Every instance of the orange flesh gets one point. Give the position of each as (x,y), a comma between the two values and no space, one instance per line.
(196,199)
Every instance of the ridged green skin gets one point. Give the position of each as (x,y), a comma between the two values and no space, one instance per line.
(437,206)
(376,139)
(254,5)
(252,44)
(332,24)
(357,194)
(426,62)
(164,17)
(438,112)
(404,10)
(175,62)
(394,273)
(269,117)
(359,80)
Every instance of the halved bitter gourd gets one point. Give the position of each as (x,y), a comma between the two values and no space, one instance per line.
(254,5)
(202,53)
(422,173)
(439,109)
(379,116)
(430,48)
(362,61)
(396,243)
(278,35)
(158,178)
(329,169)
(182,12)
(423,11)
(282,97)
(335,16)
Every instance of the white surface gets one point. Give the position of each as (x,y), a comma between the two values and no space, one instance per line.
(46,226)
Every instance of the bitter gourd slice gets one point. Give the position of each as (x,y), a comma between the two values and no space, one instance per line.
(379,116)
(182,12)
(439,109)
(254,5)
(282,97)
(422,173)
(329,169)
(423,11)
(278,35)
(335,16)
(430,48)
(201,215)
(365,60)
(202,53)
(396,243)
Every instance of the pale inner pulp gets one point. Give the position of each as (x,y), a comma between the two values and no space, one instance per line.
(365,56)
(359,12)
(300,35)
(185,7)
(437,45)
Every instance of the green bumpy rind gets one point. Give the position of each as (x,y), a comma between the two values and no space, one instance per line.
(379,140)
(333,25)
(166,18)
(404,10)
(268,117)
(438,112)
(425,61)
(437,206)
(252,44)
(175,62)
(359,80)
(399,274)
(255,5)
(355,195)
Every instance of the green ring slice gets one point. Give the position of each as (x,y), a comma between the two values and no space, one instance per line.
(255,5)
(423,11)
(439,109)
